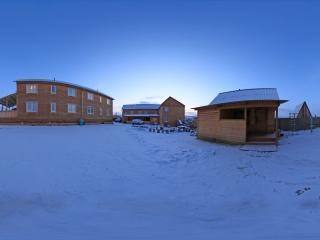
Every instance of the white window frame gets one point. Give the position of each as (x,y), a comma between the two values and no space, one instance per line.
(53,89)
(72,108)
(31,106)
(90,96)
(31,88)
(53,107)
(100,99)
(72,92)
(90,110)
(108,101)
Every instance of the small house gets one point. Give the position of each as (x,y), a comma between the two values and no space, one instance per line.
(241,116)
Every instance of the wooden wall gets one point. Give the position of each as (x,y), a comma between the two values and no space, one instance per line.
(175,111)
(212,128)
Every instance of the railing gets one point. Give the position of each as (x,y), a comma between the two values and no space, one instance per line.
(8,114)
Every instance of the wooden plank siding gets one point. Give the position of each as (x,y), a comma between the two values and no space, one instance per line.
(212,128)
(259,118)
(175,111)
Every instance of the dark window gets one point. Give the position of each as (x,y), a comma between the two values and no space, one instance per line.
(232,113)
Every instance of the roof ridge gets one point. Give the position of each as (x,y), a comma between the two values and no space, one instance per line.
(245,89)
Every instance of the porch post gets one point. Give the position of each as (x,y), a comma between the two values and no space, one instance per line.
(277,121)
(246,120)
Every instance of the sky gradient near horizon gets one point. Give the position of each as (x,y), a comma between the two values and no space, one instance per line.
(144,51)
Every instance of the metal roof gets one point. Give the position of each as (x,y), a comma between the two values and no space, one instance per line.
(142,115)
(141,107)
(64,83)
(242,95)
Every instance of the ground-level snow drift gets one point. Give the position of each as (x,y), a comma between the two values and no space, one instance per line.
(121,182)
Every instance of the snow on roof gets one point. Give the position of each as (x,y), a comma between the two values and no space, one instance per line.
(65,83)
(141,106)
(298,108)
(255,94)
(142,115)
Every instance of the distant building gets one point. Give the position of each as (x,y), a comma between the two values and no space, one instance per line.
(298,119)
(40,101)
(302,111)
(240,116)
(170,111)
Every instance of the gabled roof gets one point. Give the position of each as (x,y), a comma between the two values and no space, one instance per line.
(141,107)
(63,83)
(142,115)
(173,100)
(243,95)
(300,106)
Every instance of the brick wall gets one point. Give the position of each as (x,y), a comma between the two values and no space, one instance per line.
(102,110)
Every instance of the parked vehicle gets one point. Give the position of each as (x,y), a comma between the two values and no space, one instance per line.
(137,122)
(117,119)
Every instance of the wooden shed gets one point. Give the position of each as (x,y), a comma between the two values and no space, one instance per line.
(241,116)
(170,111)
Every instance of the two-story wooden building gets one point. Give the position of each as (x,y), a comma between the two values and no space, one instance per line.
(241,116)
(169,112)
(40,101)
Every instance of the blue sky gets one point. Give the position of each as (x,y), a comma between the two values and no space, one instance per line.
(144,51)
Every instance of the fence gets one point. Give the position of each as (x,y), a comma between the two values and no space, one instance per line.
(296,124)
(8,114)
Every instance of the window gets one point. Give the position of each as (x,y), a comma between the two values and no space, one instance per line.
(100,99)
(101,111)
(72,108)
(31,88)
(53,107)
(32,106)
(90,96)
(53,89)
(90,110)
(237,113)
(108,101)
(71,92)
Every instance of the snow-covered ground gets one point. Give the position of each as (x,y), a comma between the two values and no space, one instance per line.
(120,182)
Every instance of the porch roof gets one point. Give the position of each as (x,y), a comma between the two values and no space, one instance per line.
(242,95)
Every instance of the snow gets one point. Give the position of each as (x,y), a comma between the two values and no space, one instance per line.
(120,182)
(255,94)
(141,106)
(142,115)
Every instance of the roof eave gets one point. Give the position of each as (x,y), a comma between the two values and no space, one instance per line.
(63,83)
